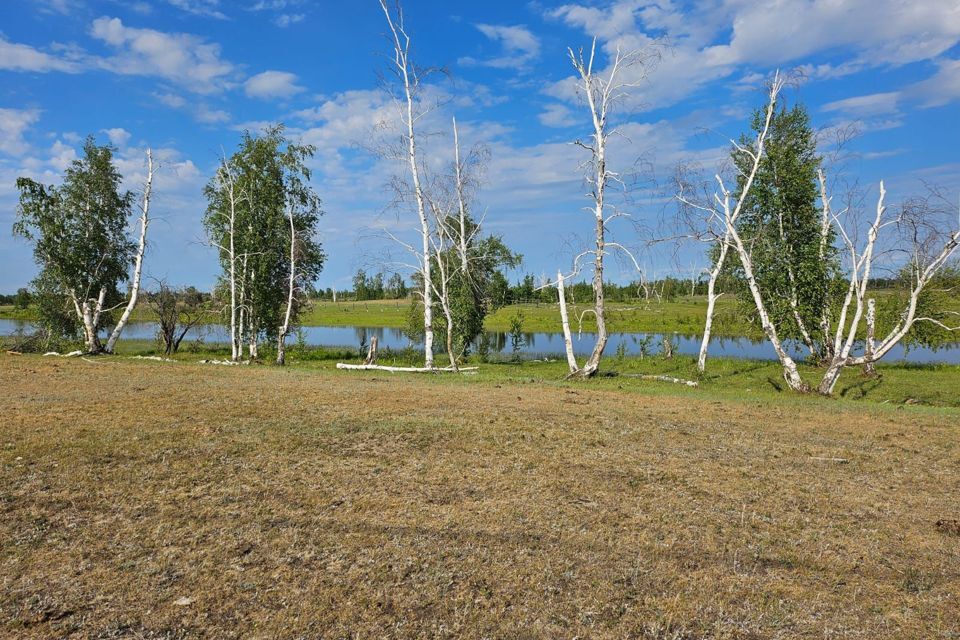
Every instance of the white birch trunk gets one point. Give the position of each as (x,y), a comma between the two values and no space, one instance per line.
(870,346)
(402,61)
(138,262)
(462,207)
(712,297)
(291,287)
(90,317)
(565,321)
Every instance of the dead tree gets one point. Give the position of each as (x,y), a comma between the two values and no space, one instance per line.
(138,259)
(408,109)
(929,240)
(714,221)
(602,92)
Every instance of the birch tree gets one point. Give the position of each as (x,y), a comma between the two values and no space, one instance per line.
(221,222)
(79,236)
(465,261)
(928,237)
(250,203)
(711,219)
(138,259)
(602,92)
(306,257)
(793,253)
(410,111)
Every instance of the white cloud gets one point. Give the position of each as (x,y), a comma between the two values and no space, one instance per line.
(62,156)
(22,57)
(877,31)
(520,47)
(940,89)
(865,106)
(181,58)
(272,84)
(708,41)
(557,115)
(118,136)
(208,8)
(13,123)
(209,115)
(284,20)
(57,6)
(172,100)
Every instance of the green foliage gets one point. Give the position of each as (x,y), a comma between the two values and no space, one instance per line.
(79,236)
(473,295)
(271,182)
(516,334)
(373,288)
(21,300)
(937,301)
(781,221)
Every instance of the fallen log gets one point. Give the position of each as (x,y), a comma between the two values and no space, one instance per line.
(378,367)
(641,376)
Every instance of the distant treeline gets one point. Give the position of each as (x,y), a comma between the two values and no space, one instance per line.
(382,287)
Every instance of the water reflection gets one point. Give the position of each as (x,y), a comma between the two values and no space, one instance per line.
(538,344)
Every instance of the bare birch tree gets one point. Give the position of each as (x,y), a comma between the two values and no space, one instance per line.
(929,244)
(719,216)
(410,113)
(138,259)
(602,92)
(292,292)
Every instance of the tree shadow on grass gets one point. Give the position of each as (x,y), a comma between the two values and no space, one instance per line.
(862,388)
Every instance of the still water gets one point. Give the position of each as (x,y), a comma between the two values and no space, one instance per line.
(540,344)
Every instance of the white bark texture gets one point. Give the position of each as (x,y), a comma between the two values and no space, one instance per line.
(291,293)
(407,74)
(601,94)
(861,264)
(565,321)
(138,261)
(730,215)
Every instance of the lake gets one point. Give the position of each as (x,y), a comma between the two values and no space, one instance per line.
(535,344)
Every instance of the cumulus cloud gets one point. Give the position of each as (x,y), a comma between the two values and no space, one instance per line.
(705,43)
(22,57)
(13,124)
(519,47)
(118,136)
(272,84)
(208,8)
(180,58)
(557,115)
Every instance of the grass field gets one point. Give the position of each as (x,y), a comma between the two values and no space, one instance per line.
(164,500)
(684,316)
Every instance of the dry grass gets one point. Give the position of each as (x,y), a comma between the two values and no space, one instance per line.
(175,500)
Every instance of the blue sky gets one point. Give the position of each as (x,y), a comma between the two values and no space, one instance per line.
(187,76)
